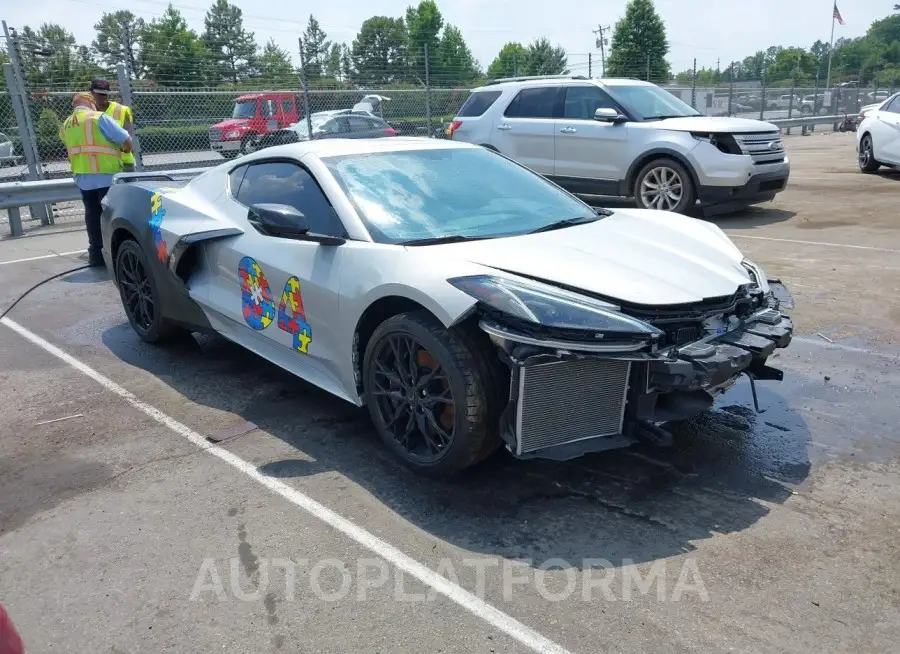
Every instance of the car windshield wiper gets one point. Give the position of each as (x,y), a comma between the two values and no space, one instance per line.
(665,116)
(569,222)
(438,240)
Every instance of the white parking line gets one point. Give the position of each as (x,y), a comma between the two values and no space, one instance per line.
(493,616)
(43,256)
(832,245)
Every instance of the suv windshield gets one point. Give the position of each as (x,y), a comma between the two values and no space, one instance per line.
(414,195)
(651,102)
(245,109)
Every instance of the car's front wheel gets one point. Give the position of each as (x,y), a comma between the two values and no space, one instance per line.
(428,394)
(666,185)
(867,162)
(140,294)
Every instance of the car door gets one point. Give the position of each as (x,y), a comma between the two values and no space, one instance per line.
(886,136)
(363,128)
(279,296)
(591,156)
(525,131)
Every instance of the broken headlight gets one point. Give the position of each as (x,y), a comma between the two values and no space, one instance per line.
(757,275)
(548,306)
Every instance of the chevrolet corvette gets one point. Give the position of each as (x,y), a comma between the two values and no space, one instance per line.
(467,302)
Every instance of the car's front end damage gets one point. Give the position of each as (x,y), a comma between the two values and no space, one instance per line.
(590,373)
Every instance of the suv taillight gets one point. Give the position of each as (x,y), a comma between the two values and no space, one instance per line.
(390,131)
(453,127)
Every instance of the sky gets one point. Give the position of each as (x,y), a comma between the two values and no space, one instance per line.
(712,32)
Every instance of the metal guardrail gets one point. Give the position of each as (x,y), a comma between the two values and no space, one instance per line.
(45,191)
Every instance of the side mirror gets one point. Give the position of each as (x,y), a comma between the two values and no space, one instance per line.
(605,115)
(284,221)
(278,220)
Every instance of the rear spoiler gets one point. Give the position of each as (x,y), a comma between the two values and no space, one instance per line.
(166,176)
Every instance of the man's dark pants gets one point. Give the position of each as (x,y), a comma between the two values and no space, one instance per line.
(92,211)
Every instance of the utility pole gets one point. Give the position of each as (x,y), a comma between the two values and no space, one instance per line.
(601,43)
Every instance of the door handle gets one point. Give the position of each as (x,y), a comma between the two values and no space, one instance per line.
(568,130)
(504,126)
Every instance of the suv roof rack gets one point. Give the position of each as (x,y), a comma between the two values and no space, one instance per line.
(526,78)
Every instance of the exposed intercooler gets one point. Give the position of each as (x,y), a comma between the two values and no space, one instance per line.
(567,401)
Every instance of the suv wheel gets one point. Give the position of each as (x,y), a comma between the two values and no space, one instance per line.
(666,185)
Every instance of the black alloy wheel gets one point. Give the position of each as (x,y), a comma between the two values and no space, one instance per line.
(140,297)
(425,390)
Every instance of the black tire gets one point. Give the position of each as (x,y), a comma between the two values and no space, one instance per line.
(156,329)
(866,159)
(473,434)
(249,144)
(659,168)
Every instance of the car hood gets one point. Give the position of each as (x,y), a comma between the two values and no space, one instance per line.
(637,256)
(720,124)
(231,123)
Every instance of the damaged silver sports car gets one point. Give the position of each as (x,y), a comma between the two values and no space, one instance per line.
(467,302)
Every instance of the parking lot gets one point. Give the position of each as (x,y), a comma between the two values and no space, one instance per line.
(123,529)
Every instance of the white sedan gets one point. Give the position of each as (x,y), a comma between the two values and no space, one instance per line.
(878,136)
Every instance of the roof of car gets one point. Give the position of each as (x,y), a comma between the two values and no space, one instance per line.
(339,147)
(562,79)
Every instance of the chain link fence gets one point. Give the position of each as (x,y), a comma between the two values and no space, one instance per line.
(178,127)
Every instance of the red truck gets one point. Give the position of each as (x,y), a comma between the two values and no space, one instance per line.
(254,114)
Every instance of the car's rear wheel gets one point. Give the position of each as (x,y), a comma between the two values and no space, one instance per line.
(867,162)
(427,394)
(140,295)
(666,185)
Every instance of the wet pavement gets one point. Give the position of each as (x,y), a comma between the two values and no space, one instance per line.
(784,521)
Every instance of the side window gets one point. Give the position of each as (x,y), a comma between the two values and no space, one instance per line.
(360,124)
(282,182)
(287,106)
(477,103)
(583,101)
(893,106)
(268,108)
(534,103)
(235,177)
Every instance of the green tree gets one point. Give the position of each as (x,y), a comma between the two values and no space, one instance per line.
(230,48)
(51,57)
(117,38)
(275,67)
(456,65)
(171,53)
(316,48)
(379,51)
(639,44)
(542,58)
(333,62)
(423,23)
(509,62)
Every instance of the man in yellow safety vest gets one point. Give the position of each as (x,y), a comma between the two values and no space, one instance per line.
(94,143)
(121,113)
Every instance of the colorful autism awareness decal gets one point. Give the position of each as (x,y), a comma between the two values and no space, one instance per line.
(256,297)
(157,213)
(258,306)
(292,317)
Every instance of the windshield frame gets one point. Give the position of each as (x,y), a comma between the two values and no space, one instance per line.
(377,235)
(241,103)
(614,91)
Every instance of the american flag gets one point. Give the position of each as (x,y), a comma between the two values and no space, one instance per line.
(836,15)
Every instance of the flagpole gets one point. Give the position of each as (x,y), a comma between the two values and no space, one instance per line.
(830,53)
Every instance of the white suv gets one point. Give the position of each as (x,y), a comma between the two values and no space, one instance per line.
(627,138)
